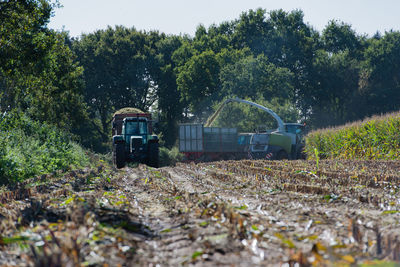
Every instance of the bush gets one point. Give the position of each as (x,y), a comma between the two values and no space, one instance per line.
(374,138)
(30,148)
(169,157)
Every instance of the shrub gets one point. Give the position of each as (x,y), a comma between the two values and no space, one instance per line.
(169,157)
(30,148)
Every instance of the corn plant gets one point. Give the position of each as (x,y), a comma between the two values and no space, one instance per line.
(374,138)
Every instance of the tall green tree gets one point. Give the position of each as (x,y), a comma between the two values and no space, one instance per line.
(37,72)
(118,67)
(169,104)
(380,75)
(198,82)
(273,57)
(253,30)
(340,37)
(256,77)
(335,96)
(298,43)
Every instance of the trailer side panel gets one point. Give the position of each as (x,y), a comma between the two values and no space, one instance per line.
(191,138)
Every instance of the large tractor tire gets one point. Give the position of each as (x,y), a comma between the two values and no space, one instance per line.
(282,155)
(119,155)
(301,152)
(154,155)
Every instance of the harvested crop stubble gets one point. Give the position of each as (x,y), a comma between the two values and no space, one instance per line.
(240,213)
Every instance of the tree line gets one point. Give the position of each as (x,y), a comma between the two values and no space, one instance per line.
(273,58)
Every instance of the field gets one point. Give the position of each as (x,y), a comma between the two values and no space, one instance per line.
(373,138)
(240,213)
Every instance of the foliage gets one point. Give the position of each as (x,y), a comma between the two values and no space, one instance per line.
(30,148)
(374,138)
(169,157)
(248,118)
(253,77)
(380,75)
(336,90)
(118,64)
(323,78)
(37,72)
(339,37)
(169,106)
(198,81)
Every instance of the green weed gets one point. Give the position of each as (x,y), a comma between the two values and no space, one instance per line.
(316,153)
(197,254)
(169,157)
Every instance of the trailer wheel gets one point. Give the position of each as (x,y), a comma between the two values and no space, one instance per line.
(119,155)
(282,155)
(154,155)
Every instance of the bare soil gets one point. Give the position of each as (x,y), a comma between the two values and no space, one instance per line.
(234,213)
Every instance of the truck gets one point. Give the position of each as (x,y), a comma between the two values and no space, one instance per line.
(133,139)
(202,142)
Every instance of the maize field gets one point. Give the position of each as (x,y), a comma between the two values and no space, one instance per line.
(374,138)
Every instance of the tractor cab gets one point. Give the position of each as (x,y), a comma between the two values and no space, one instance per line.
(296,132)
(134,131)
(295,128)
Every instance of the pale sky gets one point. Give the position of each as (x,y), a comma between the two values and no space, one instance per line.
(183,16)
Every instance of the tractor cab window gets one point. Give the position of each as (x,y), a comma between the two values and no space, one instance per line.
(136,128)
(244,139)
(294,129)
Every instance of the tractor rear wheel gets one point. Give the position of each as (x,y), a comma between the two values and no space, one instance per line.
(154,155)
(119,155)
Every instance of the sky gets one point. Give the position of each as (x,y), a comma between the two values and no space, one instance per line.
(183,16)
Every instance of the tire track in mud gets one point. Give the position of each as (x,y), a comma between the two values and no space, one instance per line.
(280,226)
(182,237)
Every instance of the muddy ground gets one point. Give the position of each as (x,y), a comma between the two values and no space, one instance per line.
(234,213)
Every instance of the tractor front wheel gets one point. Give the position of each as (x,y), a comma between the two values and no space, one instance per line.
(119,155)
(153,156)
(282,155)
